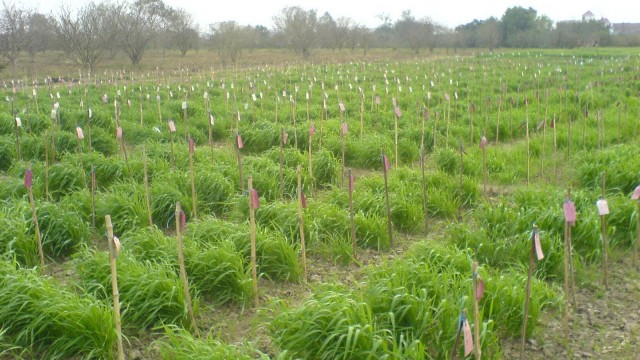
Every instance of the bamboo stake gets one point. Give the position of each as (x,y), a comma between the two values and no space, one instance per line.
(28,184)
(93,196)
(211,122)
(603,221)
(343,145)
(352,224)
(239,146)
(114,284)
(637,244)
(301,205)
(526,104)
(194,196)
(460,183)
(311,134)
(498,123)
(483,146)
(555,147)
(179,215)
(252,221)
(532,254)
(424,188)
(476,311)
(395,139)
(385,169)
(282,164)
(146,186)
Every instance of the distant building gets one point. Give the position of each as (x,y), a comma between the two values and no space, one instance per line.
(588,16)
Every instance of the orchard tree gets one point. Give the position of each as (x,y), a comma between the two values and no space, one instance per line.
(228,38)
(298,28)
(86,34)
(137,24)
(182,29)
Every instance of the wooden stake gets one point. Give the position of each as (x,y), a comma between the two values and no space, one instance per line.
(526,104)
(460,183)
(239,157)
(146,187)
(252,222)
(93,196)
(483,146)
(343,146)
(498,124)
(114,285)
(352,223)
(386,193)
(637,244)
(183,271)
(532,254)
(395,139)
(555,147)
(476,312)
(282,164)
(303,248)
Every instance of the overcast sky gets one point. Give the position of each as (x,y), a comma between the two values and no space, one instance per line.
(448,13)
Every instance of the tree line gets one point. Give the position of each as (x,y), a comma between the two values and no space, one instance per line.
(89,34)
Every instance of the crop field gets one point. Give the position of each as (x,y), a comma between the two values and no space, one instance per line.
(427,208)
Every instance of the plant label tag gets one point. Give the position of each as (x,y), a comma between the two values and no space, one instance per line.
(307,95)
(569,212)
(90,113)
(117,247)
(446,97)
(538,246)
(398,112)
(479,289)
(377,100)
(183,221)
(128,103)
(58,94)
(341,105)
(184,105)
(312,130)
(79,133)
(253,97)
(483,143)
(468,338)
(172,126)
(394,102)
(345,128)
(212,120)
(603,207)
(239,142)
(53,114)
(171,94)
(255,199)
(636,193)
(28,179)
(386,163)
(119,133)
(192,146)
(34,92)
(285,137)
(18,122)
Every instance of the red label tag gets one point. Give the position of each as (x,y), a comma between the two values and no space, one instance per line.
(192,146)
(386,162)
(28,179)
(479,289)
(79,133)
(398,112)
(312,130)
(239,141)
(119,133)
(636,193)
(183,221)
(603,207)
(303,200)
(468,338)
(538,246)
(255,199)
(483,142)
(569,212)
(345,128)
(172,126)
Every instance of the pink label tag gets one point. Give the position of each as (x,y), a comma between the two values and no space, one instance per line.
(255,199)
(636,193)
(538,246)
(468,338)
(345,128)
(119,133)
(285,137)
(479,289)
(569,212)
(183,221)
(312,130)
(28,179)
(303,200)
(239,141)
(386,162)
(398,112)
(192,146)
(603,207)
(446,97)
(377,100)
(79,133)
(172,126)
(483,142)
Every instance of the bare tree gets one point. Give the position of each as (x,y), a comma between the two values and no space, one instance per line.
(41,33)
(298,27)
(137,24)
(227,37)
(86,34)
(14,33)
(183,29)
